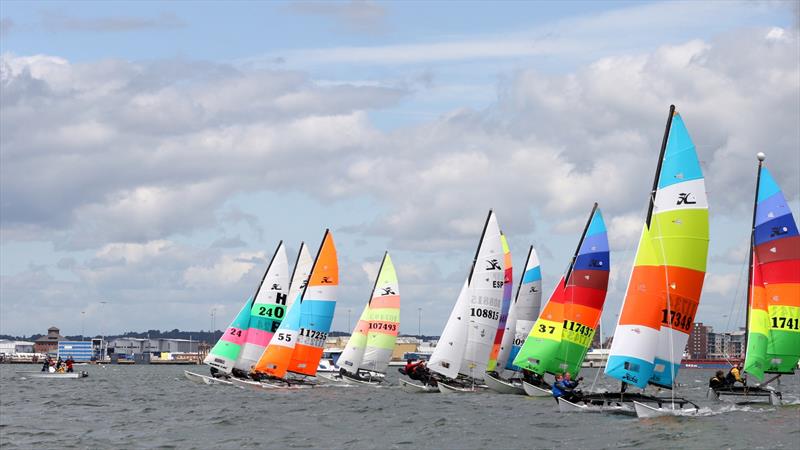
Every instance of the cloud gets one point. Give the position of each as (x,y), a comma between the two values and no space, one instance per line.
(355,15)
(58,21)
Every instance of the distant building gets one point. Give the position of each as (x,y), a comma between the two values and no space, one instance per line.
(134,346)
(726,345)
(81,351)
(49,343)
(697,347)
(13,347)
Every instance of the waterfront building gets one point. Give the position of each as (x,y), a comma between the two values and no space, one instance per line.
(697,347)
(48,343)
(134,346)
(14,347)
(80,351)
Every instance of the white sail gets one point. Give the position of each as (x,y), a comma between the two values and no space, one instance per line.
(485,295)
(302,269)
(268,309)
(446,357)
(523,312)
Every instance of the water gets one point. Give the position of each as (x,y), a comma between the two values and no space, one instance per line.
(155,406)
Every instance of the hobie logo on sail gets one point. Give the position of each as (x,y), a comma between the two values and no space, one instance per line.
(326,280)
(777,231)
(493,264)
(683,199)
(276,287)
(388,291)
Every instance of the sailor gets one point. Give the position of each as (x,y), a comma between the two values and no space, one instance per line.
(735,376)
(412,369)
(569,385)
(69,364)
(717,381)
(46,364)
(558,387)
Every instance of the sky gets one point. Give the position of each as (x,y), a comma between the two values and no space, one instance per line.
(153,154)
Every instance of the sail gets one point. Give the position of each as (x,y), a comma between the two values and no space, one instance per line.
(485,300)
(446,357)
(269,307)
(669,268)
(384,319)
(498,358)
(561,336)
(317,305)
(225,352)
(302,268)
(773,338)
(524,310)
(275,359)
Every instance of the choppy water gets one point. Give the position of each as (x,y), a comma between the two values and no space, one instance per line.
(155,406)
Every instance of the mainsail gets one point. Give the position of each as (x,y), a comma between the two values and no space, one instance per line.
(773,328)
(498,357)
(317,305)
(225,352)
(466,342)
(302,268)
(524,310)
(372,342)
(561,336)
(267,311)
(667,278)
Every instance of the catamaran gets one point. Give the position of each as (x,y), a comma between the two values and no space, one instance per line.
(462,354)
(235,351)
(521,317)
(565,329)
(773,296)
(369,349)
(292,356)
(664,287)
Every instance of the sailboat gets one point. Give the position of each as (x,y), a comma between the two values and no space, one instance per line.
(292,356)
(664,287)
(773,297)
(521,317)
(367,354)
(496,359)
(232,354)
(565,329)
(462,354)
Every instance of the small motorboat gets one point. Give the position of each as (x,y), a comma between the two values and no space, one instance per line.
(55,375)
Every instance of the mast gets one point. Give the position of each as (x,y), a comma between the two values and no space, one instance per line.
(297,261)
(580,242)
(527,260)
(761,157)
(658,167)
(377,277)
(478,250)
(263,277)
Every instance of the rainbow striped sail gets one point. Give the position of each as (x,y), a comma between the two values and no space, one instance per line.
(498,358)
(269,307)
(524,310)
(561,336)
(317,306)
(667,278)
(372,342)
(773,329)
(225,352)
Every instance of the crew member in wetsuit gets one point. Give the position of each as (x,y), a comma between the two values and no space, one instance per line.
(569,386)
(558,387)
(46,364)
(717,381)
(69,364)
(735,376)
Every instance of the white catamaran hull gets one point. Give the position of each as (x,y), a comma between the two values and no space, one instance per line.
(414,388)
(646,411)
(502,386)
(448,389)
(565,406)
(204,379)
(63,376)
(535,391)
